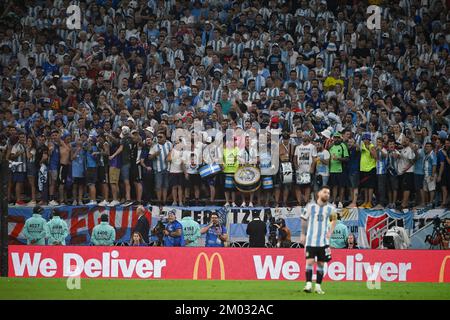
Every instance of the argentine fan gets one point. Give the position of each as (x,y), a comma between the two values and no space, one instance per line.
(316,231)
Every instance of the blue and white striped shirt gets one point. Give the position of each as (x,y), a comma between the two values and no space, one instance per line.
(317,217)
(429,161)
(160,163)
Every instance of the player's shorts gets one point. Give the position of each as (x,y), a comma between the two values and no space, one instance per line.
(323,254)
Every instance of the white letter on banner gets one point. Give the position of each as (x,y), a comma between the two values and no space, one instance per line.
(374,20)
(73,21)
(72,270)
(48,267)
(19,267)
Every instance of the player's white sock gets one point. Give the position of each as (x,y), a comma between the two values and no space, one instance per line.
(318,286)
(308,285)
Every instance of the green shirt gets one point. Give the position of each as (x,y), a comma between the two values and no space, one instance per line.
(191,231)
(35,228)
(57,231)
(339,236)
(226,106)
(103,234)
(340,151)
(367,162)
(230,160)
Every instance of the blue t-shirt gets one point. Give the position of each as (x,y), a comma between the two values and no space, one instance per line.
(78,165)
(54,159)
(91,161)
(174,241)
(212,236)
(353,161)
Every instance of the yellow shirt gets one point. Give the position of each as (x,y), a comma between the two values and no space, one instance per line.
(367,162)
(230,160)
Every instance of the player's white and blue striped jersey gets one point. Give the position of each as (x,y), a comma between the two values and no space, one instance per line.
(317,218)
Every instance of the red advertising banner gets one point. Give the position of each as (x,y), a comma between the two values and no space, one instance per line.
(224,263)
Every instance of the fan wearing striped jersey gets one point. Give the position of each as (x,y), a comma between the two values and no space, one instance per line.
(315,236)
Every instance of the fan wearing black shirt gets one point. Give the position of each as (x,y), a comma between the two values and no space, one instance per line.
(257,230)
(135,166)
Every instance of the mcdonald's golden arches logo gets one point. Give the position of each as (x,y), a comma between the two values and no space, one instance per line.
(442,271)
(209,262)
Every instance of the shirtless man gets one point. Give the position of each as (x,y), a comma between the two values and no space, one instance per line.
(64,161)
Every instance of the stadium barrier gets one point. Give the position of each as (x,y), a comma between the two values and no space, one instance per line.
(82,219)
(224,263)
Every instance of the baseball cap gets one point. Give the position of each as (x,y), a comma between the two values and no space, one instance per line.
(337,135)
(150,129)
(275,120)
(130,119)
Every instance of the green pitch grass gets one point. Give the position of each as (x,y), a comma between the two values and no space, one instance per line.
(56,289)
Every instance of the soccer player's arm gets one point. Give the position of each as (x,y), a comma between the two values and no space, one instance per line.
(304,223)
(333,219)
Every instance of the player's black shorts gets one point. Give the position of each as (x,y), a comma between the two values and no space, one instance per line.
(323,254)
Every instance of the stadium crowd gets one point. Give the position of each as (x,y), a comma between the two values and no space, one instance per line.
(93,111)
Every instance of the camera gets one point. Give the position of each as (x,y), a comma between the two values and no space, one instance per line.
(440,233)
(159,228)
(273,229)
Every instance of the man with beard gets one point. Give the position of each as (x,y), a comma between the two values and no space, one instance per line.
(315,235)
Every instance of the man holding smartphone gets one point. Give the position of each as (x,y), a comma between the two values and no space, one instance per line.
(216,234)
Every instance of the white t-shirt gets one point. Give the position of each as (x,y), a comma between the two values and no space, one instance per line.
(177,161)
(193,159)
(407,156)
(305,156)
(321,168)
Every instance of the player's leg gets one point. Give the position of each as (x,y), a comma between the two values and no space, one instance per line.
(319,277)
(309,273)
